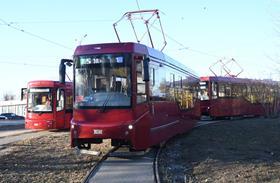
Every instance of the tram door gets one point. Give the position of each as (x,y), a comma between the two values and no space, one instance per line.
(60,108)
(142,131)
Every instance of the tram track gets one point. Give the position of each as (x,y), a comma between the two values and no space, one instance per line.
(95,168)
(115,164)
(121,165)
(156,170)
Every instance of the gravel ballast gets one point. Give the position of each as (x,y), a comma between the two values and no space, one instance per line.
(46,159)
(245,150)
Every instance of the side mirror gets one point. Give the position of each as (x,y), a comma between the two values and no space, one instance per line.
(23,94)
(62,72)
(68,62)
(62,69)
(146,75)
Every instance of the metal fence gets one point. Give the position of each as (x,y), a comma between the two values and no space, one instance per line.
(17,107)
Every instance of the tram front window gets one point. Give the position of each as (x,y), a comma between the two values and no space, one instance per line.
(102,81)
(203,90)
(39,100)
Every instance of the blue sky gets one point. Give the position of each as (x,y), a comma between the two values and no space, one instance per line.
(211,29)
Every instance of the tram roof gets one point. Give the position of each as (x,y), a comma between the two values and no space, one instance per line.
(235,80)
(131,47)
(47,83)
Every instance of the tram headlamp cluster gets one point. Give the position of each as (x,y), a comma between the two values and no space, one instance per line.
(130,127)
(50,123)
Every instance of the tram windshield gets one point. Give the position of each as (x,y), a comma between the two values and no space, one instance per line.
(39,100)
(102,80)
(203,90)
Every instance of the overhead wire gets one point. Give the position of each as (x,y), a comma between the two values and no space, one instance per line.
(174,40)
(35,65)
(138,4)
(184,47)
(59,21)
(27,64)
(34,35)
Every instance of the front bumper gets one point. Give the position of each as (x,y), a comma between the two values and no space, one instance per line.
(39,124)
(95,132)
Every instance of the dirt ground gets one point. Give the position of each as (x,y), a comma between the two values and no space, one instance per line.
(46,159)
(245,150)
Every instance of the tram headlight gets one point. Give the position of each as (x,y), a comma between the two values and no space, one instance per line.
(50,122)
(72,126)
(130,127)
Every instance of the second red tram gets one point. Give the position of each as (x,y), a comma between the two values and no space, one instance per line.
(131,94)
(49,105)
(229,97)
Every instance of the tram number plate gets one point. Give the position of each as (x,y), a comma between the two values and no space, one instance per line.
(97,132)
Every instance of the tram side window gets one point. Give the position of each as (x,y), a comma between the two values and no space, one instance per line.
(69,102)
(221,90)
(253,94)
(236,90)
(189,93)
(270,94)
(178,89)
(141,89)
(259,93)
(152,76)
(248,93)
(224,90)
(214,90)
(158,84)
(244,91)
(170,86)
(227,91)
(59,100)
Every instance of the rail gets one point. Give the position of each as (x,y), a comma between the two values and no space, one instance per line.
(95,168)
(156,171)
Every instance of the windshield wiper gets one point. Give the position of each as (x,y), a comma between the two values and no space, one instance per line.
(106,102)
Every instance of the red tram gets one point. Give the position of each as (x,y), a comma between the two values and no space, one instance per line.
(131,94)
(229,97)
(49,105)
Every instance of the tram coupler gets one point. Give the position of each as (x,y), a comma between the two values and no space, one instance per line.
(88,152)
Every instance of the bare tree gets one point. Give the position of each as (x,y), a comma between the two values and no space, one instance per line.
(7,97)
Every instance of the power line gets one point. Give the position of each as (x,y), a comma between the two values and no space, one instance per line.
(174,40)
(34,35)
(27,64)
(59,21)
(27,56)
(184,47)
(201,52)
(138,4)
(34,65)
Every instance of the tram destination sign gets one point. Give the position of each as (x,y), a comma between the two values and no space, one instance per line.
(39,90)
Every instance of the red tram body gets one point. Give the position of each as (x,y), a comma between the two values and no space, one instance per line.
(229,97)
(49,105)
(131,94)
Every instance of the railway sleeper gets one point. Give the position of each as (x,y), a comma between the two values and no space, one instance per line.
(88,152)
(125,152)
